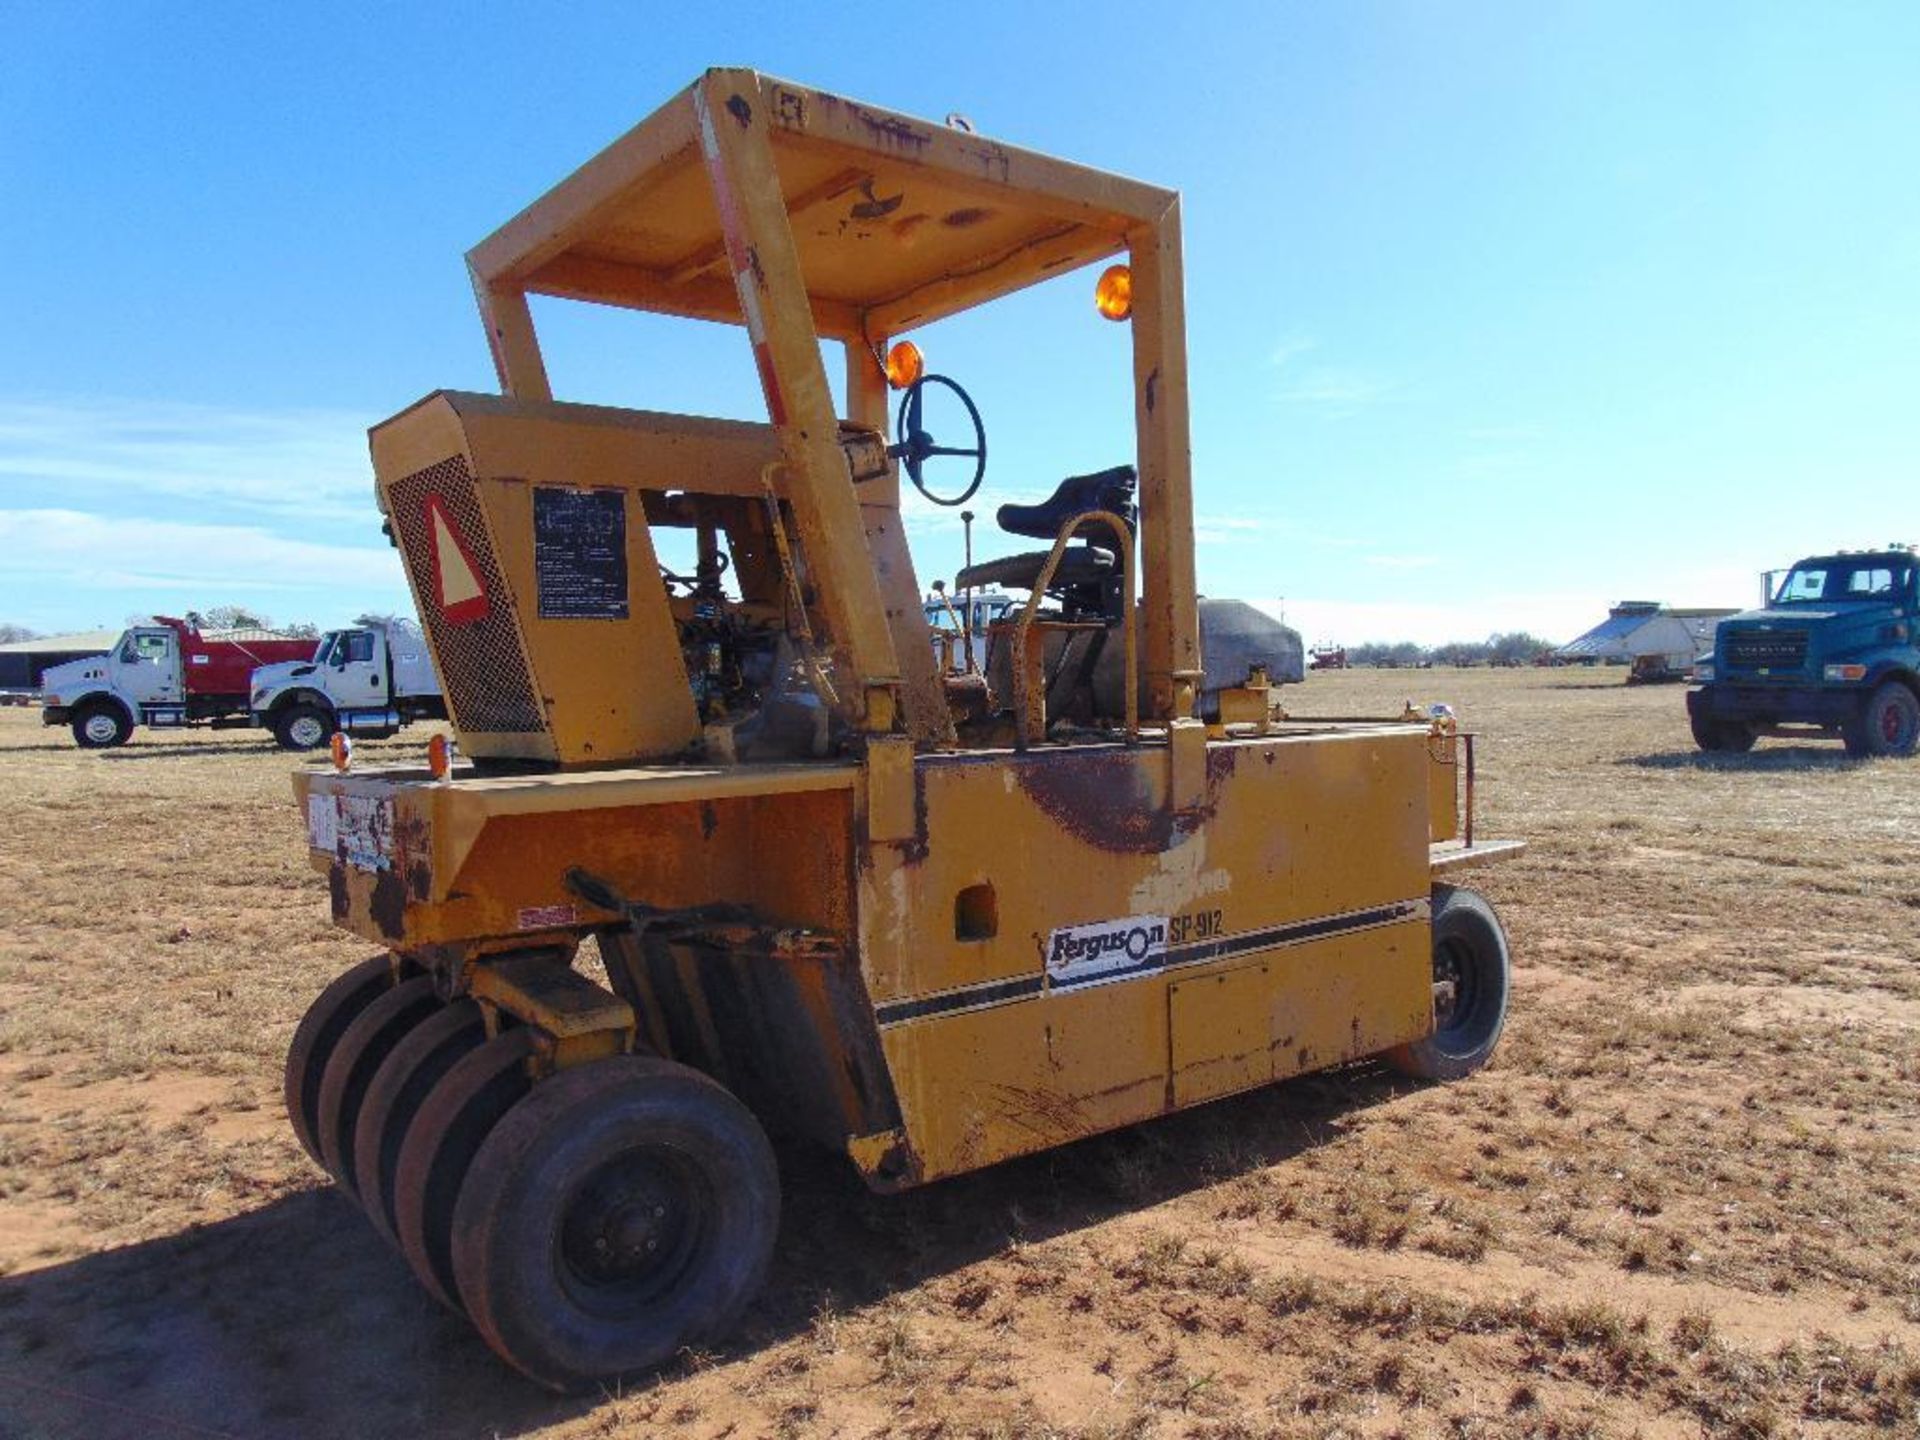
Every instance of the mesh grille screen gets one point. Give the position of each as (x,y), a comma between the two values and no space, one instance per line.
(488,689)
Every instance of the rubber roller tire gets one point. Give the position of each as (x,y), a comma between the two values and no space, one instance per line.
(400,1087)
(1470,950)
(454,1122)
(319,1031)
(363,1046)
(624,1210)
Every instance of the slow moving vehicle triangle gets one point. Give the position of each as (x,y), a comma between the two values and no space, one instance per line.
(456,578)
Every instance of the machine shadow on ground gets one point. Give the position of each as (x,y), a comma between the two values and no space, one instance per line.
(295,1320)
(1788,757)
(259,745)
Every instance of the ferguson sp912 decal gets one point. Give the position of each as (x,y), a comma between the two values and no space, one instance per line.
(1106,950)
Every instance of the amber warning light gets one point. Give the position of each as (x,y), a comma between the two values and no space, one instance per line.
(440,757)
(1113,292)
(341,748)
(904,365)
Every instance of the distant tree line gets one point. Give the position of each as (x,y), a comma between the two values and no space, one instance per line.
(218,617)
(1515,648)
(239,617)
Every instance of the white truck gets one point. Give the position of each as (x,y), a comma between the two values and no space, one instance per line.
(364,680)
(167,673)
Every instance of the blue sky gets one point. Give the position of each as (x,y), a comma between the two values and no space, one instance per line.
(1498,313)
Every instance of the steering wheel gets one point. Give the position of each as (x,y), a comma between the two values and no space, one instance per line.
(916,446)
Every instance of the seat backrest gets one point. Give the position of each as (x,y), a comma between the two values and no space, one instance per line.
(1110,490)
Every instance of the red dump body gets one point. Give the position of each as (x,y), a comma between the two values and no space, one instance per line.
(223,664)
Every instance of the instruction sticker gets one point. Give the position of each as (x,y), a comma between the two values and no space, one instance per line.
(1106,950)
(580,553)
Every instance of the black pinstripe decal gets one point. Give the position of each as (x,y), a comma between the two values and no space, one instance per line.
(1002,992)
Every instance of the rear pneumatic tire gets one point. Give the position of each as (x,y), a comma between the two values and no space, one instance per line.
(1470,957)
(320,1029)
(303,727)
(363,1046)
(400,1086)
(622,1211)
(1889,723)
(101,727)
(454,1122)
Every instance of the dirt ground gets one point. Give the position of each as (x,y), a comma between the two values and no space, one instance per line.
(1680,1202)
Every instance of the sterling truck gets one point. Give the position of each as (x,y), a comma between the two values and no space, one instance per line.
(167,674)
(1832,653)
(367,680)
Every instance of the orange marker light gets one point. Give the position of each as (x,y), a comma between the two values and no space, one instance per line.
(1113,294)
(439,757)
(904,365)
(341,748)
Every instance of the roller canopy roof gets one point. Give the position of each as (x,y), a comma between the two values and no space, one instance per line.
(897,221)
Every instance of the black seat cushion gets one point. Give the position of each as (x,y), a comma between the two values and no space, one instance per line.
(1104,490)
(1079,564)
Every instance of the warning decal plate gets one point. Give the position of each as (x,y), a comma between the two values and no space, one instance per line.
(456,577)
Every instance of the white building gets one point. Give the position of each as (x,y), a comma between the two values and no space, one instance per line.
(1635,629)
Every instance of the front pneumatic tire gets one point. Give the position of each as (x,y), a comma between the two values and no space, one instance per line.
(623,1210)
(1471,979)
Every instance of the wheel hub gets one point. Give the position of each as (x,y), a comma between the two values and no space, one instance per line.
(100,727)
(631,1224)
(1450,988)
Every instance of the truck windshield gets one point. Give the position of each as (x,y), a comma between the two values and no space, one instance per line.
(1825,582)
(326,647)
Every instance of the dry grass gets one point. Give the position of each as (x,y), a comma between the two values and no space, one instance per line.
(1679,1203)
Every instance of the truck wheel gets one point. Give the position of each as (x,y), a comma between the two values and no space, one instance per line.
(101,727)
(303,727)
(625,1209)
(1710,734)
(1470,980)
(1889,723)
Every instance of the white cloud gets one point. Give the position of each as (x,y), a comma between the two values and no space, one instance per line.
(81,551)
(310,463)
(1339,390)
(1227,529)
(1504,434)
(1558,617)
(1290,347)
(1336,389)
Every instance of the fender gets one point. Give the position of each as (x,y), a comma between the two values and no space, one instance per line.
(104,695)
(298,695)
(1886,669)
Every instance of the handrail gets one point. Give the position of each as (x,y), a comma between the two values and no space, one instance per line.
(959,630)
(1022,699)
(816,673)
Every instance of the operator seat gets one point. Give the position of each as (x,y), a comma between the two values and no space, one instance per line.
(1088,580)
